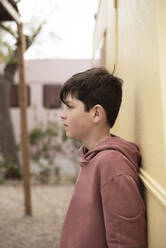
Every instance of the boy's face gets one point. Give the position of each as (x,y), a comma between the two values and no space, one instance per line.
(77,121)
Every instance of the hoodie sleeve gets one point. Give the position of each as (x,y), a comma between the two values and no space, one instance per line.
(123,211)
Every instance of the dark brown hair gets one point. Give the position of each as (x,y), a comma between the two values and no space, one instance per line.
(96,86)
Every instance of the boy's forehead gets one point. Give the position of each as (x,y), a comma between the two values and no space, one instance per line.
(70,98)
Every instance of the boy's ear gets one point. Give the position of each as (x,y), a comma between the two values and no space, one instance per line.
(97,113)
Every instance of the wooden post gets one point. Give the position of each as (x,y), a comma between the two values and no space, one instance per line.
(24,128)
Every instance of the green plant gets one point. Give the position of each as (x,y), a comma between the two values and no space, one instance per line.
(12,168)
(46,142)
(35,135)
(57,174)
(2,172)
(8,167)
(41,142)
(2,180)
(44,175)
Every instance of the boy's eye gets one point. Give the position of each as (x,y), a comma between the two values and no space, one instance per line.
(69,106)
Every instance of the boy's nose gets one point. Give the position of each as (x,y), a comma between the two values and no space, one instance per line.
(62,115)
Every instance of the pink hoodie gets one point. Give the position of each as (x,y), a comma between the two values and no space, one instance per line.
(106,210)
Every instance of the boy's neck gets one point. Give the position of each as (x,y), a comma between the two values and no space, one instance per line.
(96,138)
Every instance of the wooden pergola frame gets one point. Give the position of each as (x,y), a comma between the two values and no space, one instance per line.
(9,9)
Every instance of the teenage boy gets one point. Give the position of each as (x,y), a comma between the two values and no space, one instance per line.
(106,210)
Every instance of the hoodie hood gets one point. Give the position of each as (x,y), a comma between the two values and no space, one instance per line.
(128,149)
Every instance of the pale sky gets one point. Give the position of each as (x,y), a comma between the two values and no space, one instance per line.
(68,32)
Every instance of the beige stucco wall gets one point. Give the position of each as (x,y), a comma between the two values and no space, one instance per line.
(135,42)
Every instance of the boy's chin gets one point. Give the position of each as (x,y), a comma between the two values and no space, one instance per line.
(71,136)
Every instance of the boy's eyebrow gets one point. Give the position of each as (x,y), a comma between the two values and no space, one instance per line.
(68,102)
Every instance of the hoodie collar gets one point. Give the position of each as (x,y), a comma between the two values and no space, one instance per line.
(128,149)
(86,155)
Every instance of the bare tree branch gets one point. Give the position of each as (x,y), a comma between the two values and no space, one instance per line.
(30,39)
(17,1)
(8,29)
(12,66)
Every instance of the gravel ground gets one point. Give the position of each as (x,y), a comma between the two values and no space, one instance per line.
(42,230)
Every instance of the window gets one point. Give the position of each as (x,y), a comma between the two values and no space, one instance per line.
(14,96)
(51,97)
